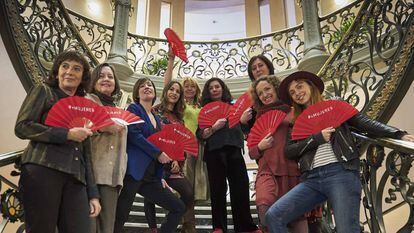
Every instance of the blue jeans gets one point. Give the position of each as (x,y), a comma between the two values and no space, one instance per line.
(332,182)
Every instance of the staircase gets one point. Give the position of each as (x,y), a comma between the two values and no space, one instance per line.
(137,222)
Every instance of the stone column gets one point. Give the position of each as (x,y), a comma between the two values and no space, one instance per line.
(252,13)
(153,18)
(315,53)
(118,52)
(178,17)
(277,15)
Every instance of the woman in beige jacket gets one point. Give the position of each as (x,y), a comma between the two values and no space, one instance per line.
(109,157)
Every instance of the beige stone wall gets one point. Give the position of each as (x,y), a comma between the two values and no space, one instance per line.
(103,13)
(11,97)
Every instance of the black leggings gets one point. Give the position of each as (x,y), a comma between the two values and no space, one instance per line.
(153,192)
(182,186)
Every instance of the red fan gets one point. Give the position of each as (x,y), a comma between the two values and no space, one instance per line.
(176,44)
(265,124)
(185,136)
(122,117)
(77,111)
(242,103)
(167,141)
(324,114)
(211,112)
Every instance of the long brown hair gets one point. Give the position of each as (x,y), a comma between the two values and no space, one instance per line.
(316,96)
(197,97)
(178,109)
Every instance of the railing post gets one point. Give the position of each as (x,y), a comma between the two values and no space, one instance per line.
(118,52)
(315,53)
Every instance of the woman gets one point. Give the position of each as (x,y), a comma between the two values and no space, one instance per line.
(276,175)
(109,157)
(329,161)
(57,159)
(195,169)
(225,162)
(171,111)
(258,66)
(145,163)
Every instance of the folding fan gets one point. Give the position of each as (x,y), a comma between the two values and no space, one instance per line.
(324,114)
(122,117)
(242,103)
(265,124)
(77,111)
(211,112)
(183,135)
(166,141)
(176,44)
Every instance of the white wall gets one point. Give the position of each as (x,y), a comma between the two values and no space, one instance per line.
(11,97)
(223,24)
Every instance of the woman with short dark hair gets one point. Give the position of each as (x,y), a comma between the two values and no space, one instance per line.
(145,163)
(57,183)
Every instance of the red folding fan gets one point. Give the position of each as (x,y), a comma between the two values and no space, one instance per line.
(324,114)
(242,103)
(211,112)
(167,142)
(176,44)
(265,124)
(183,135)
(122,117)
(77,111)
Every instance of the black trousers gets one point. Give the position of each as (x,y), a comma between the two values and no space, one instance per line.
(183,187)
(53,199)
(153,192)
(223,164)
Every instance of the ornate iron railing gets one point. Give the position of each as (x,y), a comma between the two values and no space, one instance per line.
(386,191)
(372,66)
(334,25)
(97,36)
(10,204)
(41,30)
(223,59)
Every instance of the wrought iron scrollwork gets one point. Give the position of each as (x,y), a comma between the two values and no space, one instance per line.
(363,69)
(11,205)
(47,29)
(97,36)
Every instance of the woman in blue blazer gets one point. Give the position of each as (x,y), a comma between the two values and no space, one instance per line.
(145,163)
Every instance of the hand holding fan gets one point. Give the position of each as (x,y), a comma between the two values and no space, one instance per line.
(122,117)
(242,103)
(78,111)
(324,114)
(265,124)
(176,44)
(211,112)
(184,136)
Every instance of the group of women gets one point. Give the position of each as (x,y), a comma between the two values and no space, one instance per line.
(77,180)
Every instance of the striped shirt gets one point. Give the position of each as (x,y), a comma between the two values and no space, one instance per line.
(324,155)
